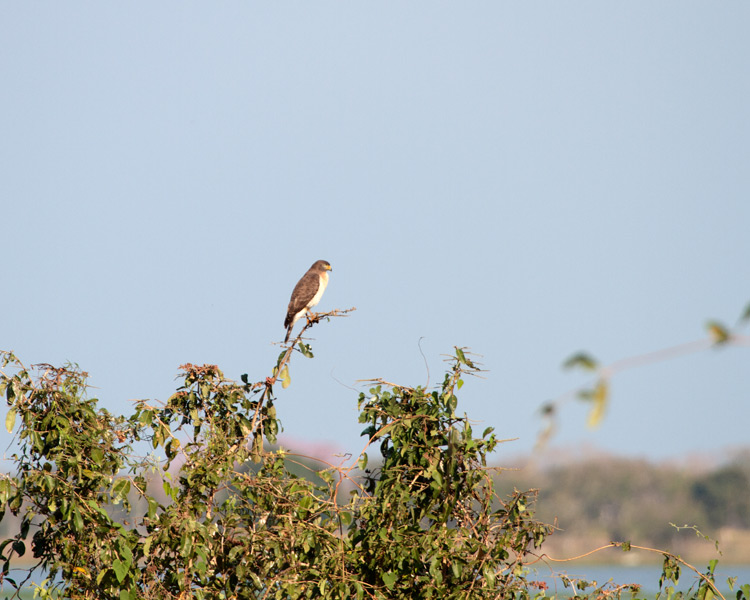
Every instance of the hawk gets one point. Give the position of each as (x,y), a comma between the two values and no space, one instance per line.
(307,293)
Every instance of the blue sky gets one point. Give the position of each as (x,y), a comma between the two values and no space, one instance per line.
(525,179)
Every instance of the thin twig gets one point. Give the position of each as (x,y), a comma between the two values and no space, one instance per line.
(546,557)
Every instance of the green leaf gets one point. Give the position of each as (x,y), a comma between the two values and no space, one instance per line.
(460,355)
(153,505)
(120,569)
(5,489)
(77,520)
(19,547)
(186,544)
(346,518)
(462,358)
(435,571)
(389,579)
(10,420)
(599,398)
(718,332)
(257,447)
(489,574)
(437,477)
(456,568)
(581,360)
(360,590)
(305,350)
(451,402)
(286,380)
(25,526)
(97,456)
(121,488)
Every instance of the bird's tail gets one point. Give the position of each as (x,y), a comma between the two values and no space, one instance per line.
(288,333)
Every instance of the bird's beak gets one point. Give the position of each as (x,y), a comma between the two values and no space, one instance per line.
(329,267)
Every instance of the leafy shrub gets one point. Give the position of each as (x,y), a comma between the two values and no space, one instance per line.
(210,513)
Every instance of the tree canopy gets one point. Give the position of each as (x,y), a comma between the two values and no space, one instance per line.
(189,499)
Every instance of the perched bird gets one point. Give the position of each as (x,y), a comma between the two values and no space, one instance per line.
(307,293)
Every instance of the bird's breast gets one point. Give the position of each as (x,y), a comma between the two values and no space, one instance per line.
(321,288)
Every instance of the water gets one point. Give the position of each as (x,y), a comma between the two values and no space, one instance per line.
(647,576)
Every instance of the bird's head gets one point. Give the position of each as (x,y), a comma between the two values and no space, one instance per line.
(323,265)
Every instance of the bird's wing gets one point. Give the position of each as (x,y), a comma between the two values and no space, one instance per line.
(304,291)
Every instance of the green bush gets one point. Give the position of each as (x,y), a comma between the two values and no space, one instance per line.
(210,513)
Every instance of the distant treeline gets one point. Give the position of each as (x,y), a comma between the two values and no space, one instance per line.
(610,498)
(618,499)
